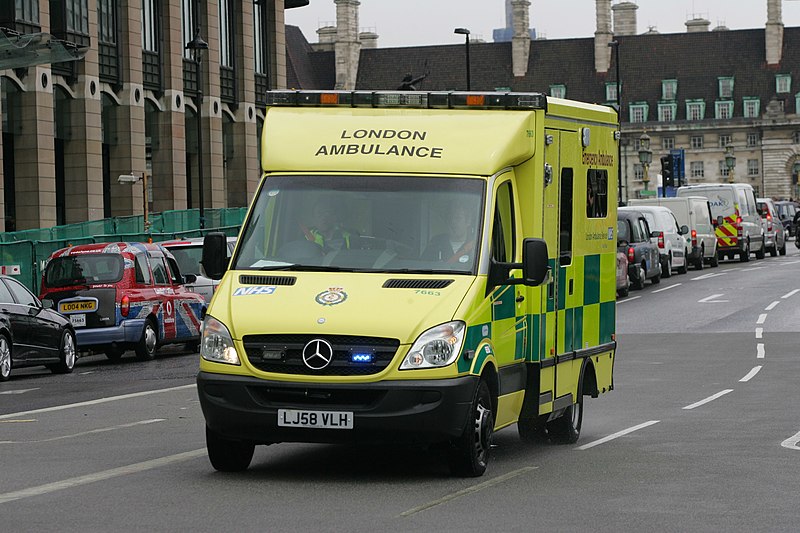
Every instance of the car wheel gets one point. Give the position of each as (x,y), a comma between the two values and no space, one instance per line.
(5,358)
(623,292)
(655,280)
(744,255)
(68,354)
(638,281)
(685,267)
(567,428)
(782,251)
(533,430)
(773,252)
(762,252)
(470,454)
(666,267)
(701,261)
(228,455)
(114,353)
(146,347)
(715,260)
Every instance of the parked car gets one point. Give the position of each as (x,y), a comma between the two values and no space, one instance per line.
(31,334)
(787,209)
(188,253)
(774,234)
(623,282)
(123,295)
(740,231)
(673,249)
(694,212)
(633,239)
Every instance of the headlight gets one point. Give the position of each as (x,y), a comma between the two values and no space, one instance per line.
(216,343)
(437,347)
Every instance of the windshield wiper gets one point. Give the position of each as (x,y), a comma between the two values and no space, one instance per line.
(423,271)
(312,268)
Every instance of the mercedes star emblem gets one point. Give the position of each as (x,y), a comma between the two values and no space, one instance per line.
(317,354)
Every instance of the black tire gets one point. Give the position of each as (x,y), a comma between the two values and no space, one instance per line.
(701,261)
(192,346)
(114,353)
(228,455)
(638,282)
(773,252)
(533,430)
(715,260)
(666,267)
(762,252)
(655,280)
(782,251)
(5,358)
(470,454)
(68,352)
(567,428)
(744,255)
(148,343)
(623,292)
(685,268)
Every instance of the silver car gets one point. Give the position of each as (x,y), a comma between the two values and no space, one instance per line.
(774,232)
(188,253)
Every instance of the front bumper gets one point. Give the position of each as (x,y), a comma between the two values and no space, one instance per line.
(130,331)
(246,408)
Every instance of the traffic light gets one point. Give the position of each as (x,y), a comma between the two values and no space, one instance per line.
(667,169)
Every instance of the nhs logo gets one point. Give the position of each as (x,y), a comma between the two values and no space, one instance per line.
(249,291)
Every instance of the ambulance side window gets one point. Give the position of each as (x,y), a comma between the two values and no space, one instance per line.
(503,237)
(596,193)
(565,218)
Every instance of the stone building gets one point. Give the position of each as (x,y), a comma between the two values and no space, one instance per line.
(129,106)
(702,90)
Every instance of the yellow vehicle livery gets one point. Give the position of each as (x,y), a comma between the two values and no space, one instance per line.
(425,267)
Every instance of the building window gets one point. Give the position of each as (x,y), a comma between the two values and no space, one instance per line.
(725,87)
(226,44)
(558,91)
(752,140)
(723,169)
(697,142)
(260,22)
(611,92)
(752,167)
(106,21)
(724,110)
(668,143)
(697,169)
(638,112)
(796,137)
(27,11)
(783,83)
(150,25)
(669,89)
(638,172)
(695,110)
(667,112)
(725,140)
(752,107)
(187,25)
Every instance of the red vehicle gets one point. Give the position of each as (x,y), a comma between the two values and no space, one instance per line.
(123,295)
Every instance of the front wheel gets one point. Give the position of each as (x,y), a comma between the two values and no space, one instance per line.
(666,267)
(470,454)
(715,260)
(228,455)
(638,280)
(700,263)
(762,252)
(5,358)
(68,353)
(685,267)
(744,255)
(146,347)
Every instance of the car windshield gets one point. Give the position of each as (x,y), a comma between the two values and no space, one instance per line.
(364,223)
(84,269)
(188,258)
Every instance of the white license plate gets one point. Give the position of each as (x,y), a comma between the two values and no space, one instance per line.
(315,419)
(78,320)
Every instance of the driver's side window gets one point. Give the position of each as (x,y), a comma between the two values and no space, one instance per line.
(503,234)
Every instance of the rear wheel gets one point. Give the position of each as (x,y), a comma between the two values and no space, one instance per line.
(782,251)
(146,347)
(470,454)
(762,252)
(68,354)
(744,255)
(5,358)
(666,267)
(715,260)
(700,263)
(533,430)
(774,250)
(685,267)
(567,428)
(228,455)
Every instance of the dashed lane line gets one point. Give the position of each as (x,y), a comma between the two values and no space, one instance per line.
(18,391)
(617,435)
(628,299)
(709,399)
(84,433)
(761,318)
(772,306)
(668,288)
(790,294)
(759,333)
(751,269)
(706,276)
(760,350)
(792,442)
(751,374)
(712,299)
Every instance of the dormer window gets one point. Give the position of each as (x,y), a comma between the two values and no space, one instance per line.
(611,92)
(724,110)
(752,107)
(725,87)
(783,83)
(638,112)
(669,89)
(558,91)
(695,109)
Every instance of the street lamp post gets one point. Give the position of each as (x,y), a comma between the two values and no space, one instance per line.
(196,46)
(465,33)
(615,46)
(645,157)
(730,162)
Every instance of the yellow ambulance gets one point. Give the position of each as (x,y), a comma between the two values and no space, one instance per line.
(426,267)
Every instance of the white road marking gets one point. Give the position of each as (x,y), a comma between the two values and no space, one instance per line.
(668,288)
(91,432)
(100,476)
(706,276)
(759,333)
(734,268)
(790,263)
(18,391)
(760,350)
(751,269)
(772,306)
(791,442)
(761,318)
(96,402)
(711,299)
(469,490)
(790,294)
(86,373)
(751,374)
(709,399)
(628,299)
(617,435)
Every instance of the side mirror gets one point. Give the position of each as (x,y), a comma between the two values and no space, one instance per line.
(535,264)
(720,221)
(189,278)
(215,254)
(656,234)
(684,229)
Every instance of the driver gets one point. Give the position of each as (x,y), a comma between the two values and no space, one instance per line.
(326,229)
(458,244)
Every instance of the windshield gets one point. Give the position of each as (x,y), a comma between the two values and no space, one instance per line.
(85,269)
(188,258)
(365,223)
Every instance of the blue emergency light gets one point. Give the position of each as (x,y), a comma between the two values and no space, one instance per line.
(362,358)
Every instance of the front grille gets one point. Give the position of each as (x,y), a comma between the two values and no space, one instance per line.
(417,283)
(249,279)
(290,348)
(329,398)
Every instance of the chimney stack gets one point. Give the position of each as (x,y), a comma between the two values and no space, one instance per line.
(326,37)
(624,18)
(774,32)
(348,47)
(521,41)
(602,36)
(369,39)
(697,25)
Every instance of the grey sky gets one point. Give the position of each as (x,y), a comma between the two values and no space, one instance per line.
(422,22)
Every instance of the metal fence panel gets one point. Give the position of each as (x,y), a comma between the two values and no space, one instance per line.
(17,260)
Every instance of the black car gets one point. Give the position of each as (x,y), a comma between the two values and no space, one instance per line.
(32,334)
(787,209)
(633,239)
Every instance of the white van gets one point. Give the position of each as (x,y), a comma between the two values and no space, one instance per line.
(694,212)
(668,235)
(740,231)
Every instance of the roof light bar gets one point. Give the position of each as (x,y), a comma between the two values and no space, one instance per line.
(407,99)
